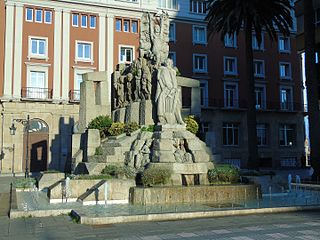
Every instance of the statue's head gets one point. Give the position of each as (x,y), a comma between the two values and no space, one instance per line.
(169,62)
(129,77)
(157,29)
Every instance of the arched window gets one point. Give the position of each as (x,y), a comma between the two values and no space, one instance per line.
(38,125)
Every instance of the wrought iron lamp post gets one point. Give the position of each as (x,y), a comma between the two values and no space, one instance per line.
(26,124)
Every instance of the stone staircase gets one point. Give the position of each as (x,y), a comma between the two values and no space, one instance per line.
(113,152)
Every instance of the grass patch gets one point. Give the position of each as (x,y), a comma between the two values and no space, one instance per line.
(93,177)
(23,183)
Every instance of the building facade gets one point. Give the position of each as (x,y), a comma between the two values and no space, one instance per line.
(46,46)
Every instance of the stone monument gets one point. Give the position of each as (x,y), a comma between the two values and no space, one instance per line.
(152,96)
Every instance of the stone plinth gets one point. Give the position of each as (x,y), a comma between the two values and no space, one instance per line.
(133,112)
(119,115)
(216,194)
(146,113)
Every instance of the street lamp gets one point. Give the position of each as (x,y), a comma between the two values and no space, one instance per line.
(26,124)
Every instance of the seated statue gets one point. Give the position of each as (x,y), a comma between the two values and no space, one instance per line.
(168,95)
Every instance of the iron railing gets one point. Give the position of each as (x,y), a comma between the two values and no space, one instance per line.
(36,93)
(74,95)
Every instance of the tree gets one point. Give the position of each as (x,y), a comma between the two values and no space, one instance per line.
(233,16)
(312,86)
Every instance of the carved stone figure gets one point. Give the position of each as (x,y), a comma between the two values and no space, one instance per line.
(120,92)
(159,37)
(129,87)
(137,66)
(168,95)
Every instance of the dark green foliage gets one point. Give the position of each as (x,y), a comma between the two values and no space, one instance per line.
(102,123)
(25,182)
(150,128)
(131,127)
(192,124)
(223,173)
(98,151)
(119,171)
(116,129)
(156,176)
(92,177)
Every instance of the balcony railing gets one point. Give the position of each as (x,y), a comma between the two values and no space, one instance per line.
(243,104)
(74,95)
(36,93)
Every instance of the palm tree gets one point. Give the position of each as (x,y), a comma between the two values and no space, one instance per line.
(232,16)
(312,86)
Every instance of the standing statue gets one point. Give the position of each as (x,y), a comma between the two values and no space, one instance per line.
(168,95)
(129,87)
(137,66)
(120,92)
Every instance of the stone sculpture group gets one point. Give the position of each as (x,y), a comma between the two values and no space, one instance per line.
(152,76)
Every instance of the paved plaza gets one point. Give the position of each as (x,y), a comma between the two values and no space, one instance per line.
(302,225)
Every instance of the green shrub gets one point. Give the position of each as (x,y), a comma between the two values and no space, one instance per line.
(25,182)
(119,171)
(223,173)
(92,177)
(131,127)
(98,151)
(102,123)
(150,128)
(156,176)
(192,124)
(116,128)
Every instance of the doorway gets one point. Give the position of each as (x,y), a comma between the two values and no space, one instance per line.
(38,146)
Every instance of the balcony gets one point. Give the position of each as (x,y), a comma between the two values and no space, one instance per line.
(34,93)
(243,104)
(74,95)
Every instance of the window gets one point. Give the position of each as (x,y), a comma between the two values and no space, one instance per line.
(172,56)
(118,25)
(230,134)
(262,134)
(134,26)
(38,15)
(317,17)
(230,66)
(286,135)
(288,162)
(255,45)
(284,44)
(286,98)
(36,85)
(198,6)
(231,95)
(200,63)
(260,97)
(29,14)
(258,68)
(230,40)
(48,17)
(172,32)
(199,34)
(37,47)
(75,20)
(126,54)
(84,21)
(285,70)
(93,21)
(170,4)
(204,93)
(84,51)
(77,81)
(126,25)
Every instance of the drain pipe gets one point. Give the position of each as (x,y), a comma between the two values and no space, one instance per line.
(2,127)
